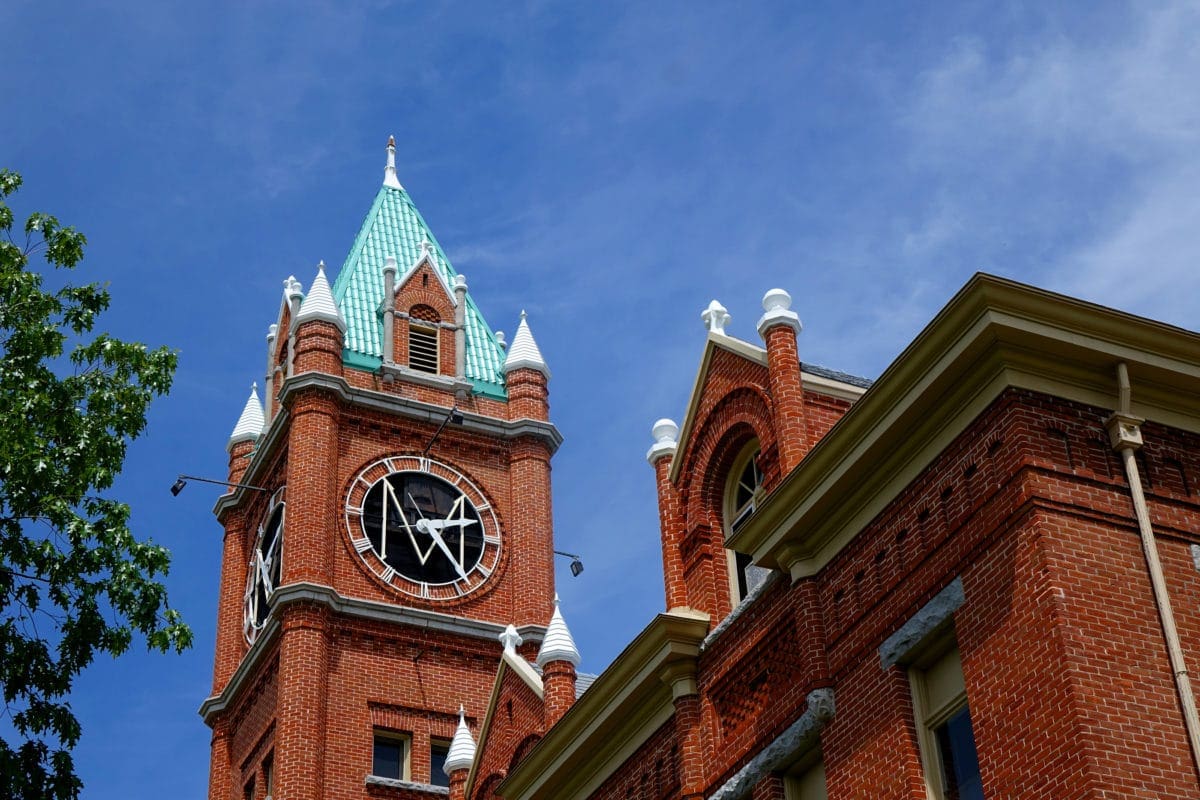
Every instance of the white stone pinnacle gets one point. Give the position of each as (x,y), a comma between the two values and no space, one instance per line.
(523,353)
(666,440)
(462,747)
(251,423)
(319,303)
(511,639)
(389,172)
(558,645)
(716,318)
(777,311)
(292,289)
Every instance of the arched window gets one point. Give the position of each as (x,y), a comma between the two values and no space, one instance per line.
(743,492)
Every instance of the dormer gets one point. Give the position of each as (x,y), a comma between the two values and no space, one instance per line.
(423,325)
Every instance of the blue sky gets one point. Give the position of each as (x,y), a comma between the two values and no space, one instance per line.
(608,167)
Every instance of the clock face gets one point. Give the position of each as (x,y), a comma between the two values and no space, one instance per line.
(264,570)
(422,527)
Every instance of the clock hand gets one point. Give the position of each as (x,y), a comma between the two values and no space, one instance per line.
(442,524)
(441,543)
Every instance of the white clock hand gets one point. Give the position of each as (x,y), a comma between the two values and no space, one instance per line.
(442,524)
(437,538)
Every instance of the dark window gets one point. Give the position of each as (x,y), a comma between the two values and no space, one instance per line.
(389,757)
(438,750)
(248,790)
(423,348)
(960,764)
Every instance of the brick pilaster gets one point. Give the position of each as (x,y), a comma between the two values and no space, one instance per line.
(230,644)
(558,684)
(528,395)
(220,771)
(787,395)
(671,523)
(530,522)
(691,747)
(300,724)
(312,513)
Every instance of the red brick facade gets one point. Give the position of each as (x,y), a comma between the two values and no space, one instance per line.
(1009,498)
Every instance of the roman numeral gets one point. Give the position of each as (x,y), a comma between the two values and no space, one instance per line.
(362,545)
(388,574)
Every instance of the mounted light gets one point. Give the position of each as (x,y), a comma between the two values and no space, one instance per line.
(576,562)
(181,482)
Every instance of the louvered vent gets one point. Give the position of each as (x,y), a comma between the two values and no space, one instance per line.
(423,349)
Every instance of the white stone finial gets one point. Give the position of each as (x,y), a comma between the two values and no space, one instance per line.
(272,329)
(460,280)
(462,747)
(319,303)
(558,645)
(389,265)
(389,172)
(511,639)
(251,423)
(500,340)
(426,248)
(524,352)
(716,318)
(292,288)
(777,306)
(666,434)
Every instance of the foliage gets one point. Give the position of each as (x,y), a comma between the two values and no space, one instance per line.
(73,579)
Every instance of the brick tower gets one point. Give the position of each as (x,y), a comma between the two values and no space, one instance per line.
(391,516)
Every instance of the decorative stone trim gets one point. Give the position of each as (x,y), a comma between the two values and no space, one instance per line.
(355,608)
(800,735)
(392,783)
(932,618)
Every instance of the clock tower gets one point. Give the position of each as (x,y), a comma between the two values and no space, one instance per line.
(389,517)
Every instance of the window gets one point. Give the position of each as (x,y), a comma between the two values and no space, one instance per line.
(268,773)
(248,790)
(806,780)
(944,728)
(438,750)
(391,755)
(743,492)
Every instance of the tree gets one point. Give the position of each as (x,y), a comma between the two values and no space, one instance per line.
(74,581)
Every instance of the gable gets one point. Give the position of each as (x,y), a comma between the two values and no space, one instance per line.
(512,726)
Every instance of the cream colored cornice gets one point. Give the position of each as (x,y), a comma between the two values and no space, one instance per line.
(628,702)
(994,334)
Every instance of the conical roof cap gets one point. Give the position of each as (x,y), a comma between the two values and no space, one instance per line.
(251,423)
(524,353)
(558,645)
(318,303)
(462,747)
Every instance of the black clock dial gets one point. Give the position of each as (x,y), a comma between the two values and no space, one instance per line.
(423,527)
(264,570)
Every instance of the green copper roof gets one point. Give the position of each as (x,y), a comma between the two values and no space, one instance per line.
(394,227)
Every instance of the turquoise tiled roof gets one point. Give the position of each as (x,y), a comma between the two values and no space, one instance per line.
(394,227)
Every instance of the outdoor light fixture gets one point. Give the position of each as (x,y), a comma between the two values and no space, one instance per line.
(182,480)
(576,563)
(454,416)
